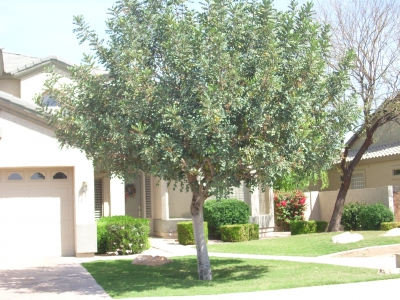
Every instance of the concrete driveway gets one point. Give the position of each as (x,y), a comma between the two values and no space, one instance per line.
(50,278)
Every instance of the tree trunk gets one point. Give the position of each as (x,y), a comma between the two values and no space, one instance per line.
(203,260)
(334,224)
(347,173)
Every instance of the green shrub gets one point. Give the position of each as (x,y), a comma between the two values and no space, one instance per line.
(371,216)
(239,232)
(225,212)
(234,233)
(101,237)
(351,216)
(186,233)
(389,225)
(123,235)
(254,232)
(321,226)
(302,227)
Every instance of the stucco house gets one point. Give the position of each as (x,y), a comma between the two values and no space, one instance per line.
(376,177)
(51,197)
(380,164)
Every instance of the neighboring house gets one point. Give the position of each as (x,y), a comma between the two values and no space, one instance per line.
(51,197)
(380,164)
(376,177)
(46,193)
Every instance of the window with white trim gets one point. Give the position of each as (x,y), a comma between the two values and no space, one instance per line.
(357,181)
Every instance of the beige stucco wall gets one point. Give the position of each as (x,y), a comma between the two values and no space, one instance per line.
(377,172)
(325,201)
(10,86)
(32,84)
(179,202)
(25,144)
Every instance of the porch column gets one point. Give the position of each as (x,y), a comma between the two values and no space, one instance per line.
(255,203)
(117,197)
(164,200)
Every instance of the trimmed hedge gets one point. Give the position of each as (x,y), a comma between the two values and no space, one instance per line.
(321,226)
(122,234)
(225,212)
(302,227)
(239,232)
(186,233)
(389,225)
(305,227)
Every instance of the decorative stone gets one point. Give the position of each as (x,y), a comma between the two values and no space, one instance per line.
(392,232)
(150,260)
(347,237)
(388,271)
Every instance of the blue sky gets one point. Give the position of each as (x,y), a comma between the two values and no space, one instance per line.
(44,27)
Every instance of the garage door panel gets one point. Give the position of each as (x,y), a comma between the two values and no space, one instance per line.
(36,217)
(38,192)
(14,192)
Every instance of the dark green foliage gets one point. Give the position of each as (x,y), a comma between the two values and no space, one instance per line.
(122,234)
(302,227)
(321,226)
(389,225)
(101,236)
(225,212)
(371,216)
(351,216)
(239,232)
(186,233)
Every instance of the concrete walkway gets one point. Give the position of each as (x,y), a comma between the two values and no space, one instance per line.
(64,278)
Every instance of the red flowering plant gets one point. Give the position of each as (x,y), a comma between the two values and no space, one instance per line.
(289,206)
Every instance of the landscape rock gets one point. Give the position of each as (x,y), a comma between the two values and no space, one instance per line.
(389,271)
(150,260)
(392,232)
(347,237)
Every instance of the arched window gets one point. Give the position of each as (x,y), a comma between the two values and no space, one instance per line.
(60,175)
(15,176)
(37,176)
(49,101)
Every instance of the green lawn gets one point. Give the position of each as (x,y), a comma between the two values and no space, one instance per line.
(121,279)
(303,245)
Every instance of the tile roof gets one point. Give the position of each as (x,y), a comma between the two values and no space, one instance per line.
(381,150)
(19,64)
(13,61)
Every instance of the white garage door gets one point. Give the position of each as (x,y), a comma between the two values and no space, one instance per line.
(36,212)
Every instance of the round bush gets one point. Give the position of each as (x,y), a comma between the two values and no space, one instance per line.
(122,234)
(351,216)
(225,212)
(371,216)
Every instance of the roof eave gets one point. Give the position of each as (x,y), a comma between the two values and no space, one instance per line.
(22,109)
(39,64)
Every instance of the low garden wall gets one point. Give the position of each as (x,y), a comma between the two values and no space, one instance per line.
(320,204)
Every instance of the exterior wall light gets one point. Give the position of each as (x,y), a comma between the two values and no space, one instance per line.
(84,186)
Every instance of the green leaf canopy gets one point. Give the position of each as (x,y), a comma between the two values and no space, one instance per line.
(236,91)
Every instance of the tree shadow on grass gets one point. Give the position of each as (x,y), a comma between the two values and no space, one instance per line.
(120,276)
